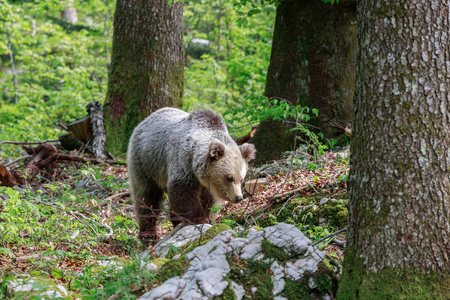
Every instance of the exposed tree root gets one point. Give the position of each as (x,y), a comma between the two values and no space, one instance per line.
(43,159)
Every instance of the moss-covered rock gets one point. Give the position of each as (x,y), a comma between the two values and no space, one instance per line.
(332,212)
(252,274)
(208,236)
(312,286)
(36,287)
(172,268)
(271,251)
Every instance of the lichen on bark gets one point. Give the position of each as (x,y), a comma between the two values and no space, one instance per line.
(399,186)
(147,66)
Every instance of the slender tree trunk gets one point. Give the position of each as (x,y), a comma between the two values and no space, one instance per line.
(69,14)
(13,67)
(312,64)
(399,184)
(147,66)
(106,32)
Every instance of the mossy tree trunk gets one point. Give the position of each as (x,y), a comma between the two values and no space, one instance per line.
(312,64)
(399,184)
(147,66)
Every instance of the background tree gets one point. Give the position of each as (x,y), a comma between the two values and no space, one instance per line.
(312,64)
(398,239)
(147,65)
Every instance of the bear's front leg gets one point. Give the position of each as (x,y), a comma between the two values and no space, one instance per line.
(185,204)
(147,197)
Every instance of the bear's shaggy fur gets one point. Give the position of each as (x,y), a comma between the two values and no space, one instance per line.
(192,157)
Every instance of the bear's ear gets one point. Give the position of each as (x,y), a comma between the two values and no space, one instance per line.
(248,151)
(216,149)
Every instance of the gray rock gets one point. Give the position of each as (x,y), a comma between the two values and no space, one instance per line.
(52,294)
(147,254)
(20,285)
(277,278)
(110,263)
(148,266)
(208,265)
(323,201)
(239,290)
(311,283)
(180,236)
(63,290)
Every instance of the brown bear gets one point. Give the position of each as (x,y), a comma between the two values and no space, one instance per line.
(190,156)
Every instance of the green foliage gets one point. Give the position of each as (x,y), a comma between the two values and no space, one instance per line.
(246,9)
(124,281)
(257,109)
(235,59)
(58,67)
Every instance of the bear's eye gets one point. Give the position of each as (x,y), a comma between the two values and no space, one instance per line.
(230,178)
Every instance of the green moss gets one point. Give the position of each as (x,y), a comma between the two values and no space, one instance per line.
(228,293)
(172,268)
(208,236)
(334,212)
(41,284)
(325,282)
(296,289)
(250,274)
(159,261)
(389,283)
(272,251)
(216,229)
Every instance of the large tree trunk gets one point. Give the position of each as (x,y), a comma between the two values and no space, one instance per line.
(399,185)
(147,66)
(312,64)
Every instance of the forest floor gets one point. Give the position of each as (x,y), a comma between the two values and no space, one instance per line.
(64,226)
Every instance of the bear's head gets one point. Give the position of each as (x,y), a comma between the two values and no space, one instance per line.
(226,168)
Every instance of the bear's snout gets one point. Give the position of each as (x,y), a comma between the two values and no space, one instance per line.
(238,199)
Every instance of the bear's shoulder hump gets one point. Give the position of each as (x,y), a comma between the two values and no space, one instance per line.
(209,118)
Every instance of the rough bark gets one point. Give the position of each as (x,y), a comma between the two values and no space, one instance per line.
(312,64)
(399,186)
(147,65)
(69,13)
(95,110)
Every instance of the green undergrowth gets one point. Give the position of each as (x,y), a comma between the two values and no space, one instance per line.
(315,220)
(66,224)
(126,280)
